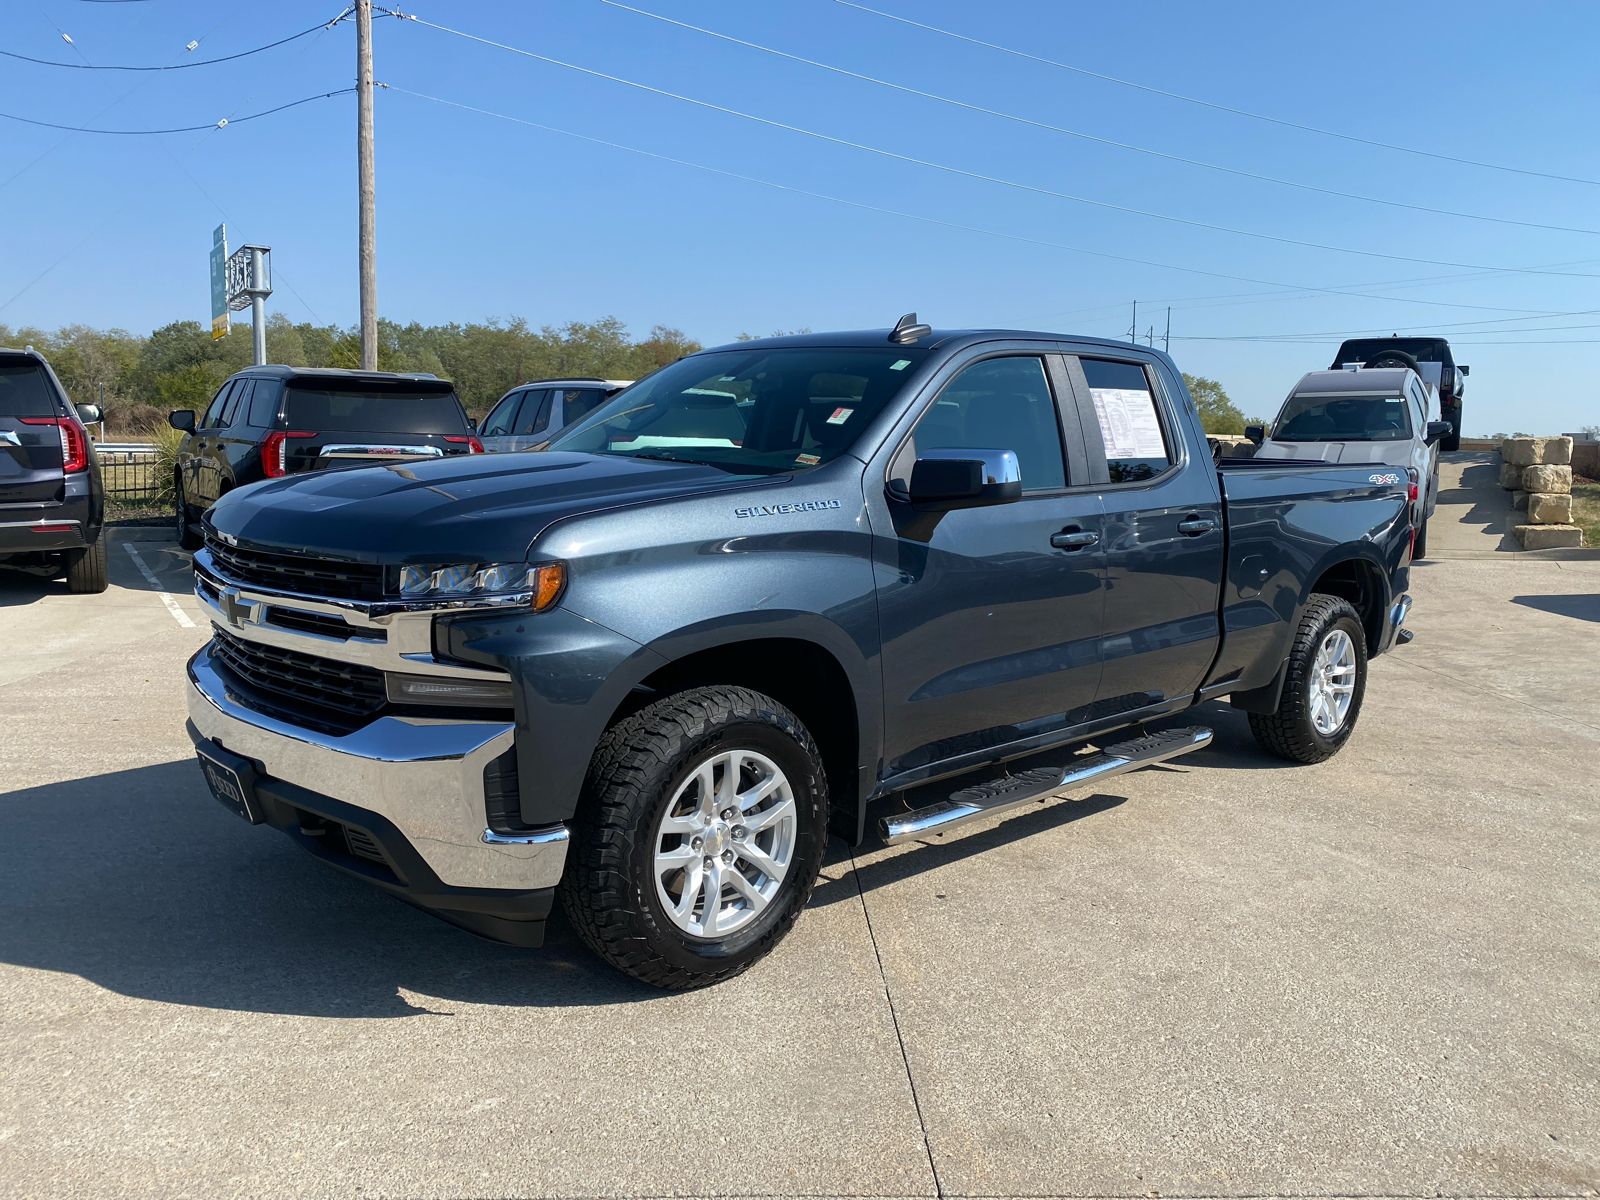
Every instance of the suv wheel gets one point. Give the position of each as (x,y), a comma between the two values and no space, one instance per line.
(86,568)
(187,538)
(699,837)
(1322,689)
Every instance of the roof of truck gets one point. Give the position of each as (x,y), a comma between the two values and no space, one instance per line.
(1384,381)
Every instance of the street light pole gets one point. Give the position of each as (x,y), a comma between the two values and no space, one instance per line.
(368,187)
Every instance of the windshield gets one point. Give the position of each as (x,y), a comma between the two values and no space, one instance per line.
(373,410)
(759,412)
(1318,417)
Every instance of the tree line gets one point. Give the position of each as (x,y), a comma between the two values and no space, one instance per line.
(141,377)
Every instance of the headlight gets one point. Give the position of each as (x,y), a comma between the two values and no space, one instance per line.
(541,583)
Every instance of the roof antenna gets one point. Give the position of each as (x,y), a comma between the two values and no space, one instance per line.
(907,330)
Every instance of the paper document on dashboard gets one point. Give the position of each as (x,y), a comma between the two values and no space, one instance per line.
(1128,423)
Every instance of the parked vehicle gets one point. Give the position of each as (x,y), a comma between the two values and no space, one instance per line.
(52,500)
(269,422)
(1429,357)
(1382,415)
(527,417)
(753,596)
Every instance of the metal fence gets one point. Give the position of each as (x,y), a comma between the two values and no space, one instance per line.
(129,472)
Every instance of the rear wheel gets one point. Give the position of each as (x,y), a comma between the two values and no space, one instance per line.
(1325,679)
(1452,440)
(86,568)
(699,839)
(183,527)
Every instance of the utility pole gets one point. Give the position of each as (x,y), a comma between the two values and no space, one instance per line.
(1166,338)
(368,187)
(1133,330)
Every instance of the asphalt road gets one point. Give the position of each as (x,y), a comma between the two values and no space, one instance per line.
(1226,977)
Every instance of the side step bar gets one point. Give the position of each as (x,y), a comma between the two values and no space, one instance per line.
(1026,787)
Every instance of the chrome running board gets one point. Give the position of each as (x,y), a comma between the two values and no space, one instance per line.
(1026,787)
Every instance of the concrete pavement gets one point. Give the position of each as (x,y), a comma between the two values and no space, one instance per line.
(1224,977)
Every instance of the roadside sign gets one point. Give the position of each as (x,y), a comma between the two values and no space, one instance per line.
(219,282)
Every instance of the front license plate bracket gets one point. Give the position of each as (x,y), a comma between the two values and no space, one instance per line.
(231,780)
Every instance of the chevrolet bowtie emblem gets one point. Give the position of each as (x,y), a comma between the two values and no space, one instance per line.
(239,611)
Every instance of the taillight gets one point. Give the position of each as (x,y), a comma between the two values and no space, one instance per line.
(474,446)
(1413,490)
(74,441)
(275,455)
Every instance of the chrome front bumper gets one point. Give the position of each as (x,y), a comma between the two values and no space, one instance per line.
(423,775)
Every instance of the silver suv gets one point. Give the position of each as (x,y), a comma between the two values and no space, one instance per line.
(528,416)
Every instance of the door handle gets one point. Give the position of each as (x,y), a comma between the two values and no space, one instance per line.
(1074,539)
(1195,525)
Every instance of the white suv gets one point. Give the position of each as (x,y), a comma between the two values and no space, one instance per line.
(1386,416)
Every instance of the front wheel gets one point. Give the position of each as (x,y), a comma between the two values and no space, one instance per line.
(1325,679)
(187,538)
(699,837)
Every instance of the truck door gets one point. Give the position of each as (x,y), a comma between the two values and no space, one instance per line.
(1163,537)
(991,617)
(533,423)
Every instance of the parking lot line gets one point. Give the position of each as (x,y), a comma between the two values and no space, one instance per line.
(178,615)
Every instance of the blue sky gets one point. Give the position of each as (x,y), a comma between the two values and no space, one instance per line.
(481,217)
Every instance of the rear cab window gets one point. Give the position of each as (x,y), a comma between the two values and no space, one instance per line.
(367,406)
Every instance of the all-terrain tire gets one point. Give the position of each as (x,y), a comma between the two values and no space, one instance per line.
(86,568)
(1290,732)
(609,892)
(1419,548)
(188,539)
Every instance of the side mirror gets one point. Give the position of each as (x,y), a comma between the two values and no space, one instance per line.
(472,425)
(1437,430)
(942,480)
(1256,433)
(89,413)
(1465,370)
(182,418)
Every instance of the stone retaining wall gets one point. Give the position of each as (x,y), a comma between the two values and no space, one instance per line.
(1538,474)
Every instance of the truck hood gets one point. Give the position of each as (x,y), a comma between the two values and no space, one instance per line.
(478,508)
(1394,454)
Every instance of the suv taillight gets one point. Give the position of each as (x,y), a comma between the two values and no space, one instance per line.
(74,441)
(275,455)
(474,446)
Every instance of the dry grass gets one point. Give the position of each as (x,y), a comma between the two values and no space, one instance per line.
(1586,508)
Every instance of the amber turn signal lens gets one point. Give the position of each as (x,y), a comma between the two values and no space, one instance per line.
(547,580)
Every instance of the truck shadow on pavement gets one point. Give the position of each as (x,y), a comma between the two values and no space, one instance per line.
(1579,608)
(19,586)
(138,881)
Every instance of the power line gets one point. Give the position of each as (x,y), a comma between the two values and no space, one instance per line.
(84,66)
(1089,137)
(1240,112)
(934,220)
(1042,191)
(225,121)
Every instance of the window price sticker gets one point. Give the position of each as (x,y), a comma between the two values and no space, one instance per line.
(840,416)
(1128,423)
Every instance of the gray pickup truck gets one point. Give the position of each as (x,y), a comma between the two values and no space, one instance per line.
(774,589)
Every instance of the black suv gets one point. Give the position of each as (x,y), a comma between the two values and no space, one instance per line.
(1411,352)
(270,421)
(52,502)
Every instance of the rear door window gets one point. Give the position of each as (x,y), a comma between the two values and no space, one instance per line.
(535,415)
(237,412)
(1000,404)
(366,409)
(25,390)
(578,403)
(498,423)
(1130,427)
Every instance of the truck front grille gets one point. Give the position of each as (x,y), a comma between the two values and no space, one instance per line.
(346,688)
(297,573)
